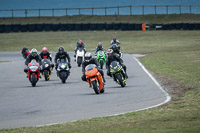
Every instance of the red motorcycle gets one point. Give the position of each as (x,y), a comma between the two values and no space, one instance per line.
(33,72)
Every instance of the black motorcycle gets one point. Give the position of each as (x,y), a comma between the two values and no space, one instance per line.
(46,69)
(118,73)
(63,70)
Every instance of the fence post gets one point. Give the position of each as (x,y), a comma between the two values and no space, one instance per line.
(130,11)
(105,11)
(155,10)
(180,9)
(143,10)
(167,10)
(190,9)
(66,11)
(39,12)
(52,12)
(92,11)
(118,10)
(12,13)
(26,13)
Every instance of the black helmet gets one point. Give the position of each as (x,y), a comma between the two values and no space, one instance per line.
(114,47)
(61,49)
(88,57)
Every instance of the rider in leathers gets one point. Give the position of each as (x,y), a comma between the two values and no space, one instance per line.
(115,41)
(116,50)
(90,60)
(99,48)
(61,54)
(79,44)
(46,54)
(114,57)
(31,56)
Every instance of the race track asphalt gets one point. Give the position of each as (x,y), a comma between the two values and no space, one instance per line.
(51,102)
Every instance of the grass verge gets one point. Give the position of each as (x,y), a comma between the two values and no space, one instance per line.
(149,19)
(174,54)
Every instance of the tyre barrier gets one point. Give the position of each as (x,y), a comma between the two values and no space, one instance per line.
(31,27)
(8,28)
(55,27)
(47,27)
(16,28)
(39,27)
(63,27)
(24,28)
(70,27)
(95,26)
(2,28)
(85,27)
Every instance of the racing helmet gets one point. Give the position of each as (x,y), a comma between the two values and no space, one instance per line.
(88,57)
(44,50)
(99,45)
(110,52)
(114,39)
(34,52)
(80,43)
(61,49)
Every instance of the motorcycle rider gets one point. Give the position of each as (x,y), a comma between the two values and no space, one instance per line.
(33,55)
(24,49)
(115,41)
(114,57)
(61,54)
(99,48)
(79,44)
(90,60)
(46,54)
(116,50)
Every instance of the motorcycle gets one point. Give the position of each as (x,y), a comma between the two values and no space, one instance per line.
(33,72)
(63,70)
(80,56)
(25,53)
(46,69)
(94,78)
(101,58)
(118,73)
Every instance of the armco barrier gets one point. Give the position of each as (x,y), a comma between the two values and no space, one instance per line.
(2,28)
(31,27)
(47,27)
(39,27)
(8,28)
(55,27)
(24,28)
(16,27)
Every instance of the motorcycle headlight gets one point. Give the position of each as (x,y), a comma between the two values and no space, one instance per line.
(46,65)
(63,66)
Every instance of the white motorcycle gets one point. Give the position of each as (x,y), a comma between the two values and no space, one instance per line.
(80,56)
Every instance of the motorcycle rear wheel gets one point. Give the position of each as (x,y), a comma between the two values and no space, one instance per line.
(33,80)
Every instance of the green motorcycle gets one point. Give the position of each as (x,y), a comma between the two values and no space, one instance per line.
(101,58)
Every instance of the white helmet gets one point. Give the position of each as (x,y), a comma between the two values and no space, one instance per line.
(88,56)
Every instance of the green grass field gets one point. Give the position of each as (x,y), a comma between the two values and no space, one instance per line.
(149,19)
(172,54)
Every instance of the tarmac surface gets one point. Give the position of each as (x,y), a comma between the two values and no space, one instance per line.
(51,102)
